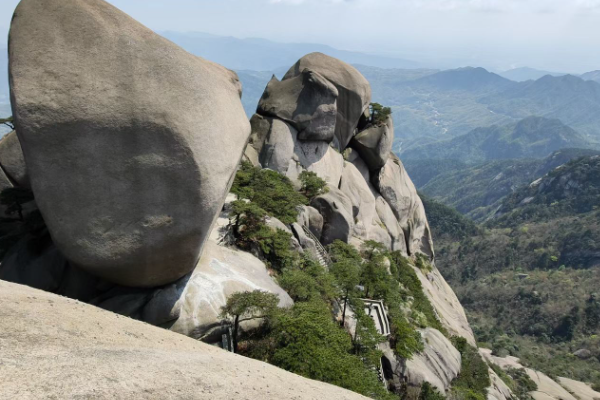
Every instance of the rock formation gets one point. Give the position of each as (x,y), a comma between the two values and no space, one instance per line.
(122,141)
(121,137)
(54,347)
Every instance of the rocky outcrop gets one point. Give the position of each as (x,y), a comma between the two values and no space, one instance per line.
(122,142)
(498,390)
(336,209)
(12,160)
(447,306)
(307,101)
(374,144)
(397,189)
(439,363)
(580,390)
(547,388)
(354,91)
(55,347)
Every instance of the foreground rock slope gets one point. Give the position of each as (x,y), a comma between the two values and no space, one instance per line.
(122,142)
(75,350)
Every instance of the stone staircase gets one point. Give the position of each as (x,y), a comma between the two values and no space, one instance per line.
(322,255)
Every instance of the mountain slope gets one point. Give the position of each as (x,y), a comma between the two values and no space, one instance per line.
(571,99)
(532,137)
(525,74)
(529,280)
(478,190)
(591,76)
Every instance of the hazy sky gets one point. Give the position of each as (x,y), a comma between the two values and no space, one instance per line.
(559,35)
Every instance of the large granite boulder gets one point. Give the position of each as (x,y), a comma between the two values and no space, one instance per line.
(12,160)
(354,91)
(122,132)
(338,221)
(307,101)
(357,189)
(397,189)
(310,218)
(374,144)
(278,148)
(260,127)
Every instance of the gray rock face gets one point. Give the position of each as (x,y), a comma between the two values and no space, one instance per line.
(374,144)
(278,148)
(320,158)
(122,142)
(357,189)
(310,217)
(260,127)
(354,91)
(336,209)
(397,189)
(307,101)
(12,160)
(439,363)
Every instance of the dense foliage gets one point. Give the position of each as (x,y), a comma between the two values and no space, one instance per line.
(269,190)
(529,279)
(473,379)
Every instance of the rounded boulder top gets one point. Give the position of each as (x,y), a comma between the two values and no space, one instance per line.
(124,135)
(354,90)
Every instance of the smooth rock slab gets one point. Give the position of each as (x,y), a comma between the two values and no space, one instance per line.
(131,143)
(336,209)
(400,193)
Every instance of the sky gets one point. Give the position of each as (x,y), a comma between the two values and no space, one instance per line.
(555,35)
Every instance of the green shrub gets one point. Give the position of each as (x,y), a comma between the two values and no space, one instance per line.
(379,113)
(269,190)
(312,185)
(473,379)
(311,344)
(429,392)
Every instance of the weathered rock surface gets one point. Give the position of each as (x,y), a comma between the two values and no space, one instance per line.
(220,273)
(354,91)
(580,390)
(397,189)
(122,142)
(310,218)
(354,186)
(374,144)
(439,363)
(307,101)
(445,303)
(54,347)
(259,127)
(498,389)
(336,209)
(547,388)
(320,158)
(12,160)
(278,148)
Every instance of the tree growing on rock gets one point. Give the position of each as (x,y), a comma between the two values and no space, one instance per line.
(379,113)
(246,306)
(347,276)
(312,185)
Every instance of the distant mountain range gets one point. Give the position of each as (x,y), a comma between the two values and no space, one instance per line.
(532,137)
(478,190)
(265,55)
(525,74)
(592,76)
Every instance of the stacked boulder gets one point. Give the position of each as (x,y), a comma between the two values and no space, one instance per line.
(317,119)
(120,136)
